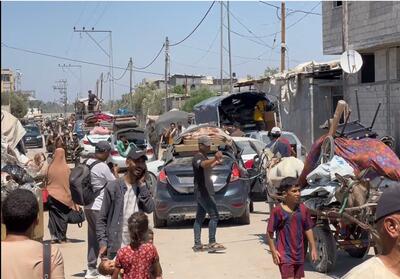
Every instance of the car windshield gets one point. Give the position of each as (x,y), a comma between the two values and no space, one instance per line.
(32,130)
(246,147)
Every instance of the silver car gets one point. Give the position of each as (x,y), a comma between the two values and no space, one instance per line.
(291,137)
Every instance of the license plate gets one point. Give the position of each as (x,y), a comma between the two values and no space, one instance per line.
(186,180)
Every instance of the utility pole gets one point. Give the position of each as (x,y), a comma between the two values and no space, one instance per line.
(283,35)
(61,86)
(166,80)
(230,50)
(101,86)
(345,40)
(130,81)
(80,74)
(222,49)
(109,55)
(97,88)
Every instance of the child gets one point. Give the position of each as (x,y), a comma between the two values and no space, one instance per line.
(140,258)
(290,221)
(106,266)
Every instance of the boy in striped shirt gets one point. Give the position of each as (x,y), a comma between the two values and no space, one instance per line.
(290,221)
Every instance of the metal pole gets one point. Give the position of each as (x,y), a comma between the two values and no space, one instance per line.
(283,35)
(112,69)
(130,82)
(312,109)
(222,48)
(166,72)
(101,86)
(230,53)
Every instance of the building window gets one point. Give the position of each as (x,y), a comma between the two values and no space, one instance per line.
(5,77)
(337,4)
(368,68)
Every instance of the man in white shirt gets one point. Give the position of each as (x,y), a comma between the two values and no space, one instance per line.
(100,174)
(387,218)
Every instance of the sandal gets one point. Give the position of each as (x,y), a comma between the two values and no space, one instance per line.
(214,247)
(199,248)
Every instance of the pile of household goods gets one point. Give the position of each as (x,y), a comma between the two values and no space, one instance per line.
(346,173)
(17,170)
(108,121)
(188,141)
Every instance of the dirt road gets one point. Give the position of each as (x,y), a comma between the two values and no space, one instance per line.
(247,255)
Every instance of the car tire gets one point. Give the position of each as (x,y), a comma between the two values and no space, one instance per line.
(251,207)
(158,223)
(245,218)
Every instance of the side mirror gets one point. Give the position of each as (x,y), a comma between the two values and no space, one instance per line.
(159,168)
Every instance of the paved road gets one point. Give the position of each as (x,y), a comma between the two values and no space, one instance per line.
(247,255)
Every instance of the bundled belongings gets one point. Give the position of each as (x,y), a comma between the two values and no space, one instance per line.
(98,130)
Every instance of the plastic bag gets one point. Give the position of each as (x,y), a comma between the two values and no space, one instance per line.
(18,174)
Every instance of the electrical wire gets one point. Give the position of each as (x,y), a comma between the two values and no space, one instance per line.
(291,10)
(247,37)
(197,26)
(123,74)
(152,61)
(247,29)
(75,60)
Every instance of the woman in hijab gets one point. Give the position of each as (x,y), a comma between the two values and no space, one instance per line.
(59,200)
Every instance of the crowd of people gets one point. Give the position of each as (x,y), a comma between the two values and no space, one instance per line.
(119,240)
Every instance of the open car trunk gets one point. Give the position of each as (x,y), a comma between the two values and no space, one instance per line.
(230,109)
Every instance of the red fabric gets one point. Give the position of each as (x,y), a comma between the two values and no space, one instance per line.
(291,270)
(249,164)
(136,263)
(290,232)
(360,154)
(45,195)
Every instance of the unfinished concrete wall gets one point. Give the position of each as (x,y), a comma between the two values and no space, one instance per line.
(371,24)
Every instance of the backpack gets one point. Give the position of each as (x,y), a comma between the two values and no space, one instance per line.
(80,184)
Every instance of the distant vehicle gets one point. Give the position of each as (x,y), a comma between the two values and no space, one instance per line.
(33,138)
(174,193)
(297,147)
(136,137)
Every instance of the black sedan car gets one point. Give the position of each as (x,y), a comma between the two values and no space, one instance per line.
(33,138)
(174,197)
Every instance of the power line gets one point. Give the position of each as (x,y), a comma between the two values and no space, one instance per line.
(247,29)
(152,61)
(248,38)
(291,10)
(197,26)
(75,60)
(303,17)
(123,74)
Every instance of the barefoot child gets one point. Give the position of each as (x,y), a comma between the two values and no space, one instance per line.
(140,257)
(291,222)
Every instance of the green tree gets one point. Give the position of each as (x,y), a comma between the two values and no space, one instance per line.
(196,97)
(178,89)
(269,71)
(19,103)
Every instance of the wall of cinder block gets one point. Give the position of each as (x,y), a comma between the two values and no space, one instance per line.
(371,24)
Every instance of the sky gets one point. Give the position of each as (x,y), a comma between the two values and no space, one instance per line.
(139,30)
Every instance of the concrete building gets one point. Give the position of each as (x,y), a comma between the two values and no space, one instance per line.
(7,80)
(373,31)
(306,97)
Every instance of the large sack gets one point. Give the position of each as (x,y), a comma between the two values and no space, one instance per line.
(287,167)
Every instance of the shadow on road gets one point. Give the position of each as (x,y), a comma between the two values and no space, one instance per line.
(81,274)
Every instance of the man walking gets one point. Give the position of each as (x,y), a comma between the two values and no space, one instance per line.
(122,198)
(100,175)
(279,144)
(205,195)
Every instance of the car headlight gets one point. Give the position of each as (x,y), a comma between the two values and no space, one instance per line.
(39,137)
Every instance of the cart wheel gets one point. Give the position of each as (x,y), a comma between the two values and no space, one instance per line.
(326,249)
(359,252)
(327,150)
